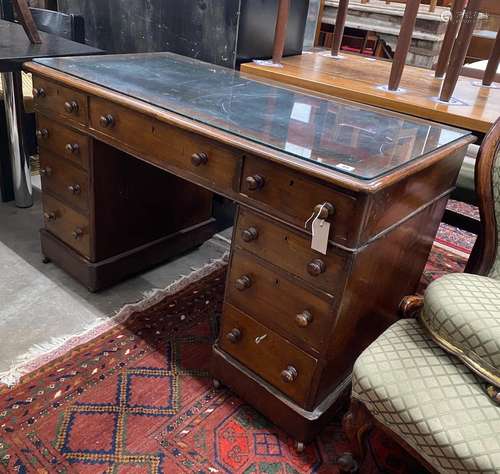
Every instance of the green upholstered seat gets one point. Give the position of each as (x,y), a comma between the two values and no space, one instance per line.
(429,399)
(462,314)
(462,311)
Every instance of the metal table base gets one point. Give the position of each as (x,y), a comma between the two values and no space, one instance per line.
(14,112)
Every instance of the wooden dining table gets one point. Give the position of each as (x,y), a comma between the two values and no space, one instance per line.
(364,79)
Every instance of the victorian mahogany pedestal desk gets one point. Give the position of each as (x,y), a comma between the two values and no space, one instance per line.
(294,318)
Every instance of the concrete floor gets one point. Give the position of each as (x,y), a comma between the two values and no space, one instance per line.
(41,306)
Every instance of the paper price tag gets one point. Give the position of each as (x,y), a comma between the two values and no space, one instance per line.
(320,235)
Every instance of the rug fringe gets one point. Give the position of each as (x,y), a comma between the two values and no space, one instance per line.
(42,354)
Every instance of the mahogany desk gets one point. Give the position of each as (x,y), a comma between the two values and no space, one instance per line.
(294,319)
(360,78)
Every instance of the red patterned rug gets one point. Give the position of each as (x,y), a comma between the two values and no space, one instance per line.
(138,399)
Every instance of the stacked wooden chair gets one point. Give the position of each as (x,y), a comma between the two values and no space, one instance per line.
(457,39)
(464,14)
(432,382)
(452,63)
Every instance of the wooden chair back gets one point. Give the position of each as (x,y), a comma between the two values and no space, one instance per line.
(453,62)
(487,182)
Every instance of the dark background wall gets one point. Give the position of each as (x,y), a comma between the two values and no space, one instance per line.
(199,28)
(203,29)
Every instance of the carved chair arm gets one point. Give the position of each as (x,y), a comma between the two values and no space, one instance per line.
(410,306)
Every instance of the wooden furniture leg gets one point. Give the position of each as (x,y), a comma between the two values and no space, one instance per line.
(280,32)
(339,26)
(405,36)
(26,19)
(357,424)
(449,38)
(459,51)
(320,21)
(491,68)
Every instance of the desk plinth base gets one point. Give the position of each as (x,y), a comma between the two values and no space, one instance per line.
(300,424)
(99,275)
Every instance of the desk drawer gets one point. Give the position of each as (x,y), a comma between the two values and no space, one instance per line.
(266,353)
(290,250)
(67,224)
(167,146)
(51,97)
(295,197)
(63,141)
(64,180)
(279,302)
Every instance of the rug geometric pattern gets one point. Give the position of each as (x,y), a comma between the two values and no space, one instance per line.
(138,399)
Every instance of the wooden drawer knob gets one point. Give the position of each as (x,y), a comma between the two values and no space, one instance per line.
(255,182)
(316,267)
(243,283)
(50,216)
(289,375)
(72,148)
(39,93)
(250,234)
(304,319)
(198,159)
(77,233)
(107,121)
(234,335)
(47,171)
(42,134)
(74,189)
(71,107)
(325,210)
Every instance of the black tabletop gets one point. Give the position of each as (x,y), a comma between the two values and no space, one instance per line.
(15,47)
(358,140)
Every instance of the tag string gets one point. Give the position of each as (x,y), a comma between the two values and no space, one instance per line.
(312,216)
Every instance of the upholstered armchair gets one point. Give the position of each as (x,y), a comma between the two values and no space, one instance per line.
(431,380)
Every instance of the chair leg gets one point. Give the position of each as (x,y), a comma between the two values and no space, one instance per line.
(339,26)
(459,51)
(491,69)
(280,32)
(404,42)
(357,424)
(450,37)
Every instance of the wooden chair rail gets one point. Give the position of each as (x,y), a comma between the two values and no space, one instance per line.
(432,3)
(26,19)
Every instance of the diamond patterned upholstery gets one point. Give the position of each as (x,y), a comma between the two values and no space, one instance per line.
(462,314)
(430,399)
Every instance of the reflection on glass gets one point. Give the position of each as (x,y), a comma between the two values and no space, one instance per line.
(358,140)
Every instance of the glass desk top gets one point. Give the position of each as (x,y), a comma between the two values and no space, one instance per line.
(361,141)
